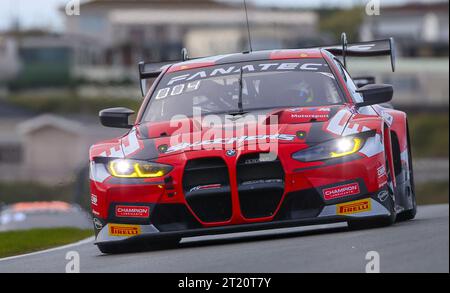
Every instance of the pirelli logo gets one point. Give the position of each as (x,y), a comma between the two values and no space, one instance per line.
(354,207)
(124,230)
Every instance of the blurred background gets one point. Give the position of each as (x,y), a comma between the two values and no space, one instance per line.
(57,71)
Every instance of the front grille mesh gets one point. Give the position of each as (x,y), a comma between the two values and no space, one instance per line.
(206,186)
(260,183)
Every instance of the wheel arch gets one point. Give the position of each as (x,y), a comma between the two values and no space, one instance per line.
(398,129)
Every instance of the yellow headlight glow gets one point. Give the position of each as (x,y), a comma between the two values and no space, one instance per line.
(148,171)
(347,146)
(137,169)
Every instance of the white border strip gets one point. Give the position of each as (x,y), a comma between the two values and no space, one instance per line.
(82,242)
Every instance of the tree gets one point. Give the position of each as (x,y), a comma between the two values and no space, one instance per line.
(334,22)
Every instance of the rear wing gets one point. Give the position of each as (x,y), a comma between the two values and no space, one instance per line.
(384,47)
(149,70)
(152,70)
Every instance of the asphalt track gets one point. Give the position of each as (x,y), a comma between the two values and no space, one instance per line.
(421,245)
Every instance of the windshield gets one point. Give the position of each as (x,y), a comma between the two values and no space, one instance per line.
(266,84)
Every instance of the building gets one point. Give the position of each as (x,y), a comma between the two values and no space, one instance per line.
(48,59)
(420,29)
(421,32)
(10,145)
(9,59)
(419,83)
(105,42)
(135,30)
(46,148)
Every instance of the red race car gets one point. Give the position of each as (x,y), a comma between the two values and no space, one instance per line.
(252,141)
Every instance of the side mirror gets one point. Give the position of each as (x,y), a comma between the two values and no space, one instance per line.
(375,94)
(116,117)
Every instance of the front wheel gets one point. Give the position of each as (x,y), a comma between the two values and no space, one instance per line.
(411,190)
(384,221)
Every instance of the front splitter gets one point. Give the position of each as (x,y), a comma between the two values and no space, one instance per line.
(328,215)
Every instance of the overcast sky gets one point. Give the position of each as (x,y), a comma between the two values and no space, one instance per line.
(45,14)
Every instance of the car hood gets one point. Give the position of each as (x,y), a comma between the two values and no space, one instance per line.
(303,125)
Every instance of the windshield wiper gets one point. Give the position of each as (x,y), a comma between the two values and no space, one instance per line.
(241,88)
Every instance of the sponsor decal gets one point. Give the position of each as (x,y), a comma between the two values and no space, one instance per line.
(262,181)
(252,161)
(383,195)
(325,110)
(381,171)
(249,68)
(94,200)
(367,47)
(124,230)
(177,90)
(98,224)
(322,114)
(383,183)
(132,211)
(373,146)
(309,109)
(130,144)
(354,207)
(311,116)
(263,157)
(341,191)
(228,141)
(338,122)
(205,187)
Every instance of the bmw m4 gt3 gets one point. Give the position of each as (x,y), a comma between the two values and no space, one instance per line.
(252,141)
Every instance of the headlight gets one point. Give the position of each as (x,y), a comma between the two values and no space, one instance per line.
(347,146)
(331,149)
(123,168)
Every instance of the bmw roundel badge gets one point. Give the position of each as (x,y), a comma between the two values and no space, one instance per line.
(231,153)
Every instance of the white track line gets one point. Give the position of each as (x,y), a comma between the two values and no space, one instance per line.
(85,241)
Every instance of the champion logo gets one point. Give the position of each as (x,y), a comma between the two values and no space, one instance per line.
(341,191)
(132,211)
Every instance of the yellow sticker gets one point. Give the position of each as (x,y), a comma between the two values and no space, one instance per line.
(124,230)
(354,207)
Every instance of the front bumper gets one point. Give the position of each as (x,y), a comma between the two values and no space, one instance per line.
(252,195)
(369,208)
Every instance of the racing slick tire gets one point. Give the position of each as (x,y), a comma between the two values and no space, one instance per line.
(118,248)
(378,222)
(409,214)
